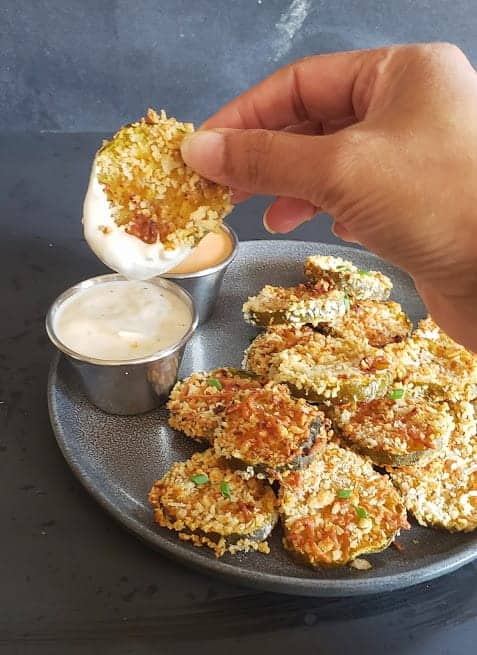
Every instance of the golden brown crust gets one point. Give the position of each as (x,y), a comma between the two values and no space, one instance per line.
(197,403)
(380,323)
(443,493)
(339,508)
(269,431)
(207,503)
(151,190)
(396,432)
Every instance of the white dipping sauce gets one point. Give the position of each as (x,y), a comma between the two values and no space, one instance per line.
(122,320)
(123,252)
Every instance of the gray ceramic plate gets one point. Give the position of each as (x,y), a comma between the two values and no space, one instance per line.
(118,458)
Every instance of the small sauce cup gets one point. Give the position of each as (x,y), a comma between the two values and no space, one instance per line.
(204,286)
(132,386)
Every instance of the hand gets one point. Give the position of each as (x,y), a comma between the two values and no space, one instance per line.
(383,140)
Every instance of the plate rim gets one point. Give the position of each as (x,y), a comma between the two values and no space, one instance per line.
(191,558)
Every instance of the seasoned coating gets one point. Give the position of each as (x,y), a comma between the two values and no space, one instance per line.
(197,403)
(443,493)
(339,508)
(300,305)
(259,355)
(266,431)
(344,275)
(400,429)
(209,504)
(431,359)
(334,369)
(380,323)
(151,191)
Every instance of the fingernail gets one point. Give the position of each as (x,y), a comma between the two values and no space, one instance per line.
(204,152)
(265,224)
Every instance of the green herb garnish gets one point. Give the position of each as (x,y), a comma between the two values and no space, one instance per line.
(364,272)
(213,382)
(344,493)
(342,267)
(396,394)
(200,478)
(346,300)
(225,490)
(361,512)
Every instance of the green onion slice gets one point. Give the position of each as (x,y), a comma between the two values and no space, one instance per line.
(347,303)
(344,493)
(200,478)
(396,394)
(364,272)
(213,382)
(225,489)
(361,512)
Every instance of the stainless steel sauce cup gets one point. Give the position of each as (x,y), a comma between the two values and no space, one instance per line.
(204,286)
(132,386)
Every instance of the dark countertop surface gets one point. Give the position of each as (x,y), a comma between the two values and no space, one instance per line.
(73,581)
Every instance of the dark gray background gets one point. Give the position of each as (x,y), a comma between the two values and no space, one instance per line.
(91,65)
(71,580)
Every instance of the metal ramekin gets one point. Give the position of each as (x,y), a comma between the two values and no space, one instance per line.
(204,286)
(130,386)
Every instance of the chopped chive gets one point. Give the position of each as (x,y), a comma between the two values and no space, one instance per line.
(344,493)
(396,394)
(213,382)
(346,300)
(364,272)
(225,489)
(200,478)
(361,512)
(342,267)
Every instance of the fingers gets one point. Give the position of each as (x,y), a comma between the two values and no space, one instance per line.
(286,214)
(318,88)
(262,161)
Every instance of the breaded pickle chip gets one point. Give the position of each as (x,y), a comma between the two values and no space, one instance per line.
(380,323)
(268,432)
(443,492)
(327,369)
(259,355)
(151,191)
(344,275)
(196,404)
(400,429)
(207,503)
(300,305)
(431,359)
(339,508)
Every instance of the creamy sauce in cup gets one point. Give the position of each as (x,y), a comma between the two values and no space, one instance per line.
(122,320)
(212,250)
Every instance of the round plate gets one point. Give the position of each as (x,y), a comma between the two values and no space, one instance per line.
(118,458)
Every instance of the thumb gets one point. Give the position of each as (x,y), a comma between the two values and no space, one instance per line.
(263,161)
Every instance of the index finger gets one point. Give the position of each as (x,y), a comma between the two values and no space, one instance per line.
(318,88)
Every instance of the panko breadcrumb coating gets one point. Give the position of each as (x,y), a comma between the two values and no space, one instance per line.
(300,305)
(339,508)
(151,191)
(209,504)
(259,355)
(380,323)
(328,369)
(344,275)
(443,493)
(431,359)
(196,404)
(400,429)
(266,431)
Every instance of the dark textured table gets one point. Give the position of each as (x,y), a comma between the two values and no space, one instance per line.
(72,580)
